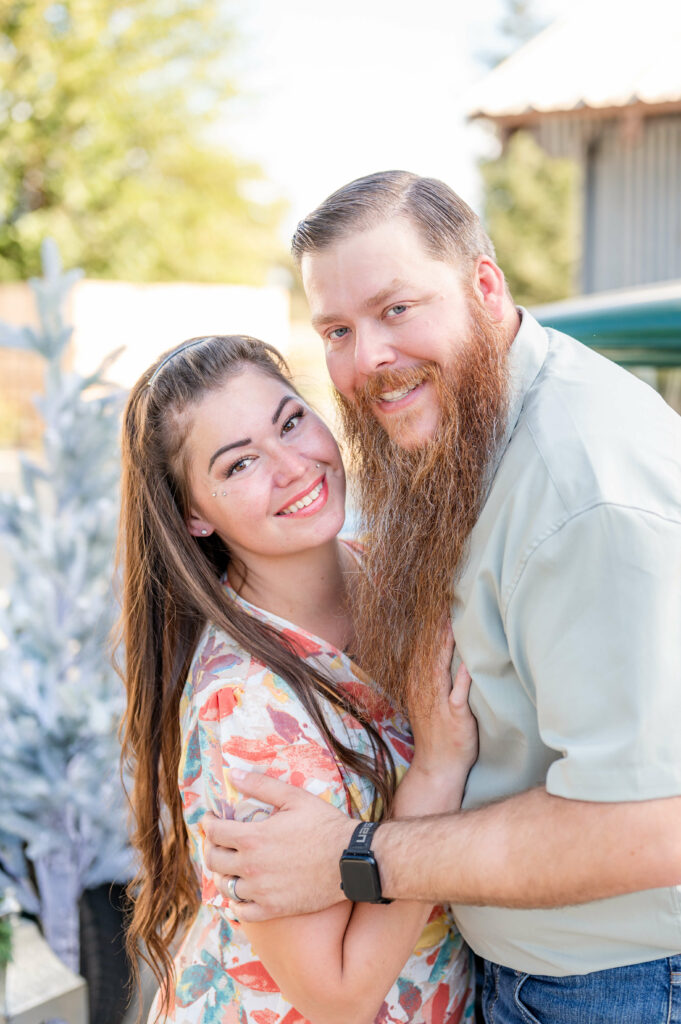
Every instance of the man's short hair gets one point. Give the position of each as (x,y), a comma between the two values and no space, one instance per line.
(450,230)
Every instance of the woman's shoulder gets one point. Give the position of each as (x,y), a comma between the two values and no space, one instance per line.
(217,651)
(219,662)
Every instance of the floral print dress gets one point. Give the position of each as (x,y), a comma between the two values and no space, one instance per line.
(235,712)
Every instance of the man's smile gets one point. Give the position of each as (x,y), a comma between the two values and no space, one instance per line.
(395,400)
(395,396)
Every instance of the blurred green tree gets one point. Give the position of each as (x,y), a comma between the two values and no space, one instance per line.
(104,111)
(531,215)
(530,200)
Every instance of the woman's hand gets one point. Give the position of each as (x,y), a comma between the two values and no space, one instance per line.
(444,727)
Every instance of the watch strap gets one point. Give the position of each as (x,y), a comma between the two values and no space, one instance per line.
(360,841)
(359,847)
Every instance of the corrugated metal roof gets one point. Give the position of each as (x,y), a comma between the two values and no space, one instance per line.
(602,53)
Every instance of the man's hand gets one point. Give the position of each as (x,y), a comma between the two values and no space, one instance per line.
(286,865)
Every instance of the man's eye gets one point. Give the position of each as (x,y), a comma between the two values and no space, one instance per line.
(396,310)
(337,333)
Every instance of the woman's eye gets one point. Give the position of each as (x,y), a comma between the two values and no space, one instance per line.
(238,467)
(396,310)
(337,333)
(292,421)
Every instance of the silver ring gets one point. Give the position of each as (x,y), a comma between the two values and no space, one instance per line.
(231,890)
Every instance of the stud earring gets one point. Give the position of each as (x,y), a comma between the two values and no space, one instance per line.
(224,494)
(204,532)
(215,494)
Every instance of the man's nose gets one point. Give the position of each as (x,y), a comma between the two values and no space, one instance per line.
(372,350)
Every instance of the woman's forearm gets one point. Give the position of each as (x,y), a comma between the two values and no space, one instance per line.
(369,927)
(422,792)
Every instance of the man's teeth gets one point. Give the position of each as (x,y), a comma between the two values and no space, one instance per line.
(394,396)
(304,502)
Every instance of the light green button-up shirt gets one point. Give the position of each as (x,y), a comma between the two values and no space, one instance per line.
(568,616)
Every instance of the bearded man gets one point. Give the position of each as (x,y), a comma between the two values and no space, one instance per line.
(533,489)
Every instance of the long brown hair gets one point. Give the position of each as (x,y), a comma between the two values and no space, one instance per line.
(171,587)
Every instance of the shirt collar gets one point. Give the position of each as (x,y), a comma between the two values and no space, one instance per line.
(525,359)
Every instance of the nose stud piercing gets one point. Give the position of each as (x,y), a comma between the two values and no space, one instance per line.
(318,465)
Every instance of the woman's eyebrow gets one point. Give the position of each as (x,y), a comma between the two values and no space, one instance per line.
(226,448)
(247,440)
(285,399)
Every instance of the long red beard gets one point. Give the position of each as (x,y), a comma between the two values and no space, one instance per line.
(418,507)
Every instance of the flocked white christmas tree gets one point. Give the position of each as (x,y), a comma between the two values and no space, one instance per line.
(61,801)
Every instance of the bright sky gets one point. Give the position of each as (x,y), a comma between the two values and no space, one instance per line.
(334,91)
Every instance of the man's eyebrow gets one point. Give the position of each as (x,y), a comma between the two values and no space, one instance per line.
(225,448)
(373,300)
(325,318)
(384,294)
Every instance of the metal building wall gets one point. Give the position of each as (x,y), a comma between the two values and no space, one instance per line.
(631,195)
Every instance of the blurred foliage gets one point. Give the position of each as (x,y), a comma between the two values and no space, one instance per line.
(17,430)
(5,942)
(519,23)
(531,215)
(104,106)
(63,811)
(530,199)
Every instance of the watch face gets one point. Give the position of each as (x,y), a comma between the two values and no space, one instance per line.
(361,882)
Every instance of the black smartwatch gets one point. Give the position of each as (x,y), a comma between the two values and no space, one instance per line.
(360,880)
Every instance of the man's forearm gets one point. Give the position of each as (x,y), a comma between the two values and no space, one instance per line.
(533,850)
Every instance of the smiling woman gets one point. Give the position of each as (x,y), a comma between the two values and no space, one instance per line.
(236,621)
(257,457)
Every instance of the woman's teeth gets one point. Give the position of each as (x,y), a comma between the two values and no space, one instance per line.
(304,502)
(394,396)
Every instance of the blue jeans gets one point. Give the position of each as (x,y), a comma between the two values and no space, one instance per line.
(647,993)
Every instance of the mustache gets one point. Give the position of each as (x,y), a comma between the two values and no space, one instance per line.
(393,380)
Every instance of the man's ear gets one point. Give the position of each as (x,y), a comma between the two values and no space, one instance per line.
(490,284)
(197,526)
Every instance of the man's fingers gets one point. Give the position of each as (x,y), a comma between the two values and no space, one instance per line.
(222,885)
(220,860)
(461,687)
(245,910)
(251,913)
(270,791)
(245,906)
(224,831)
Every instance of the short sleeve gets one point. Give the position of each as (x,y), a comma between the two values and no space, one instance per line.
(594,631)
(244,716)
